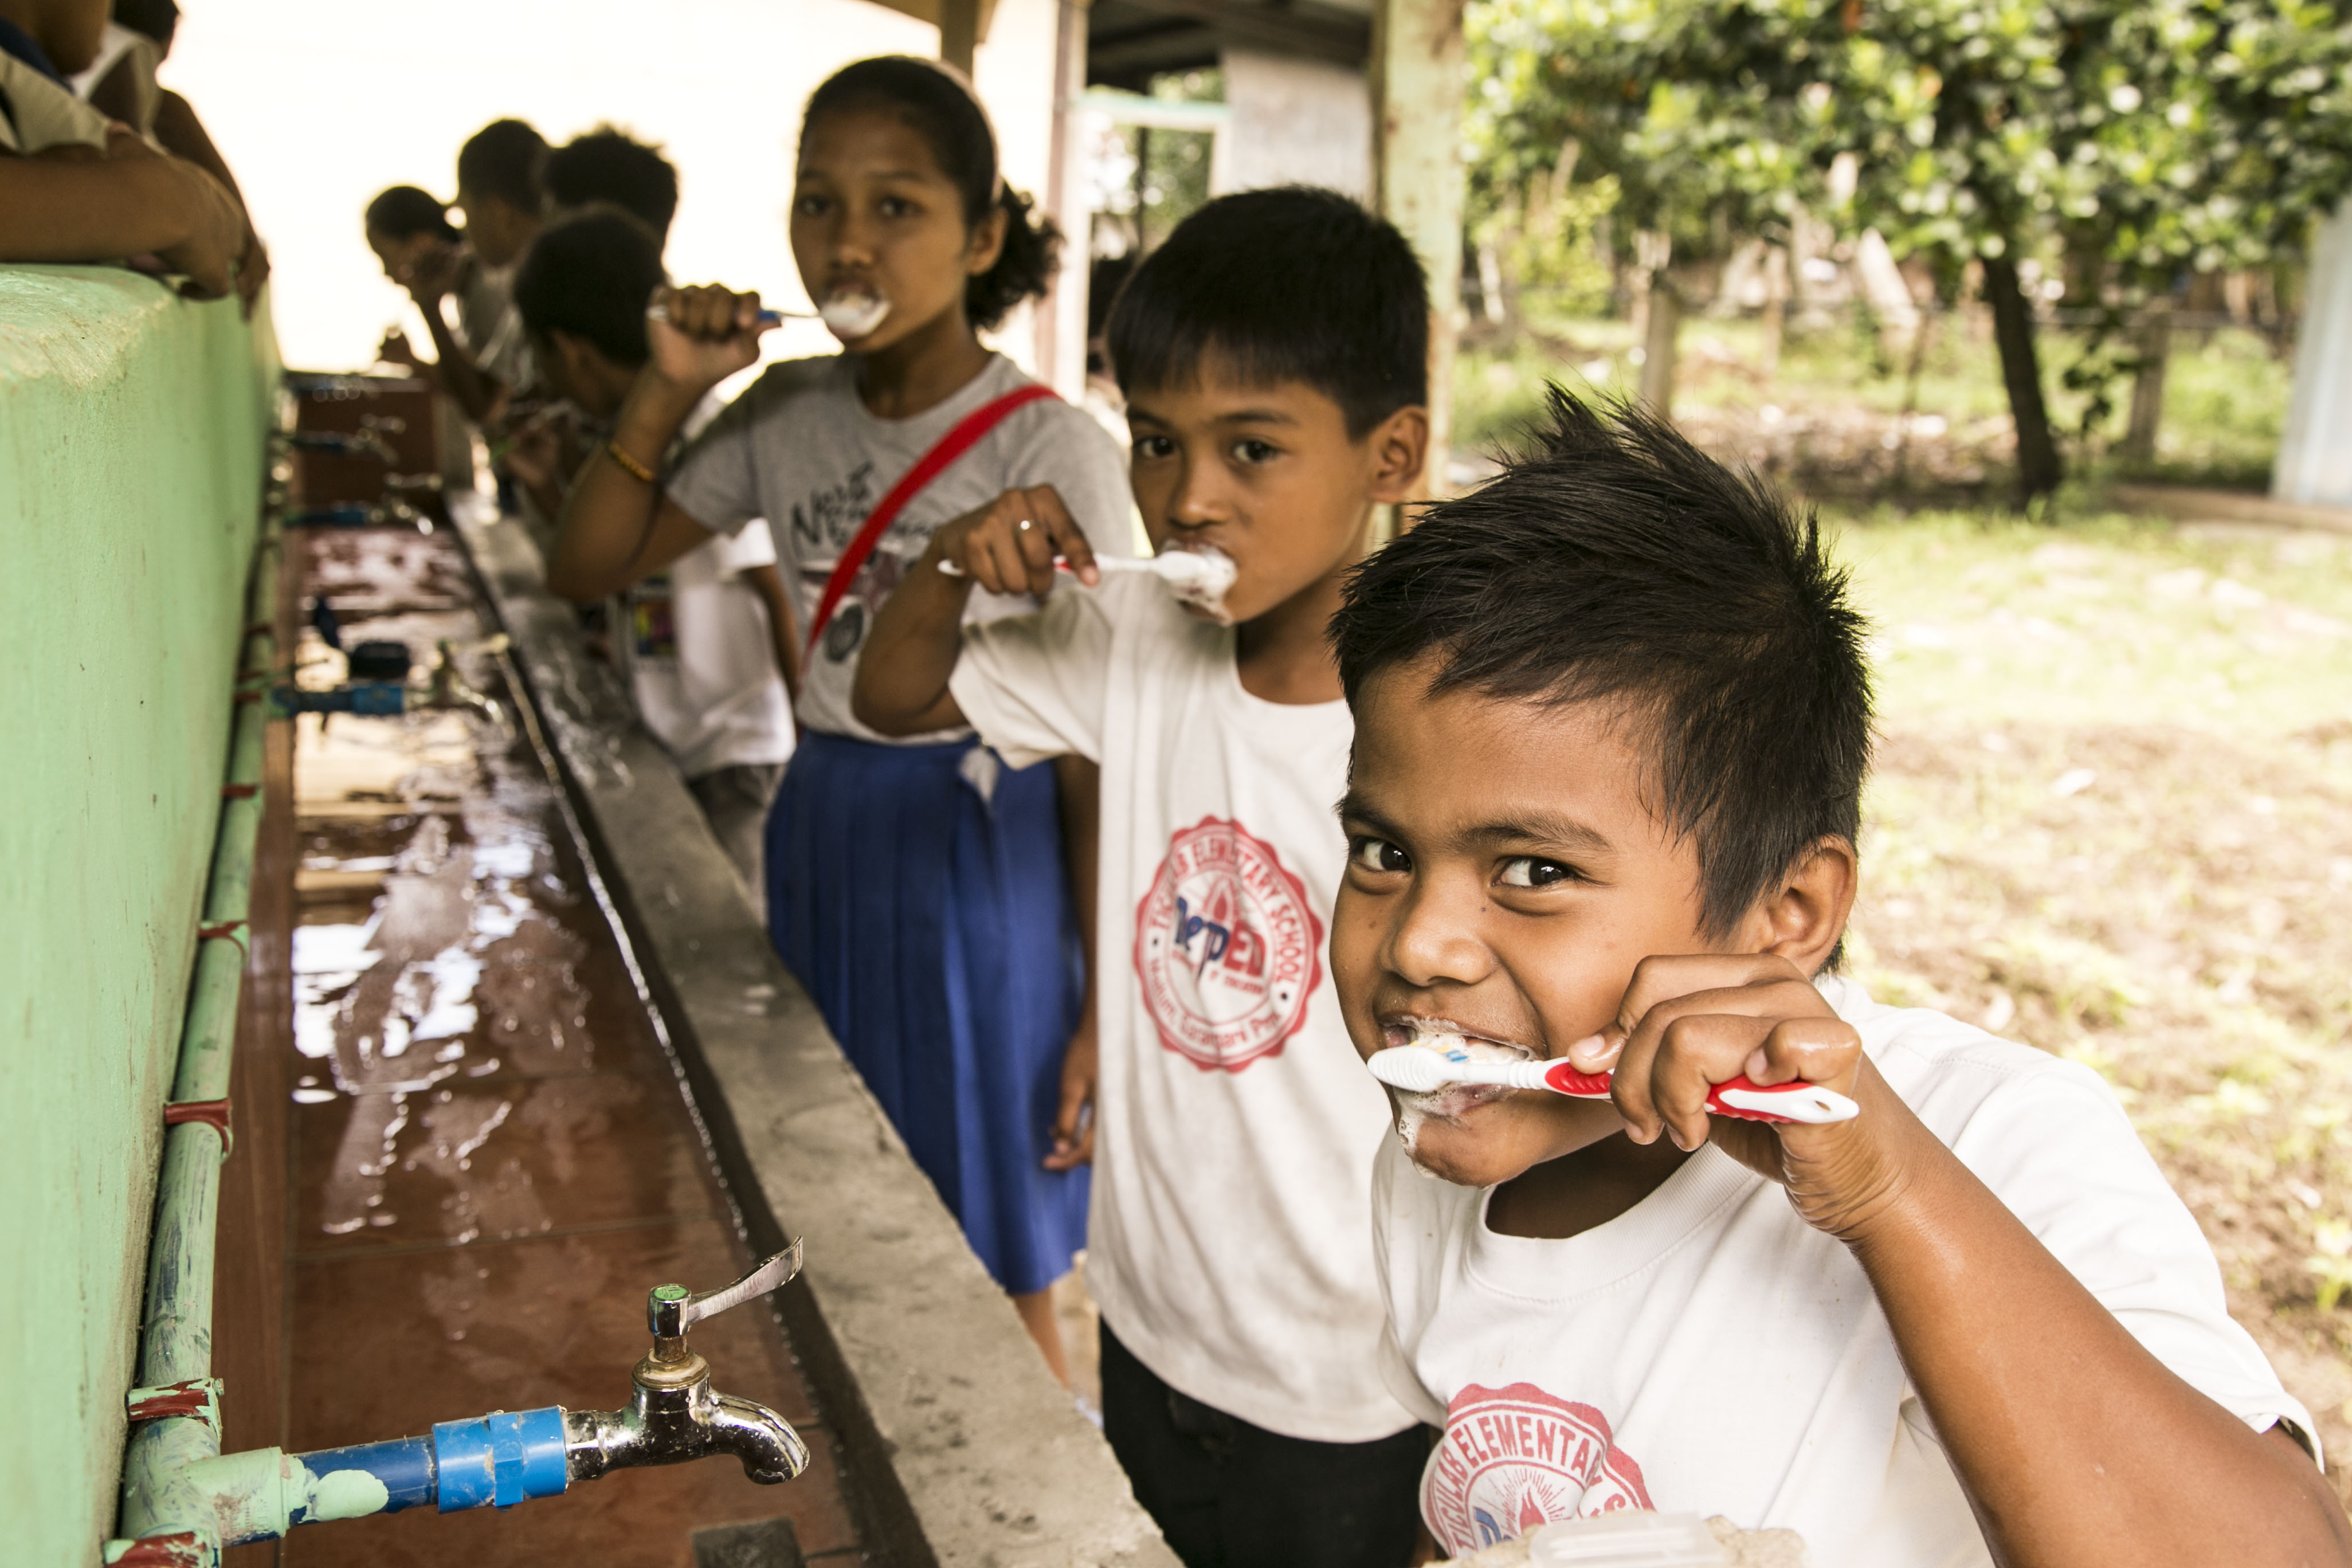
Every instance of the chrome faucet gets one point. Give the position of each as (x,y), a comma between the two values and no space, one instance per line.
(673,1413)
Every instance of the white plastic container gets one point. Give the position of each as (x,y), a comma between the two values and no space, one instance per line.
(1627,1541)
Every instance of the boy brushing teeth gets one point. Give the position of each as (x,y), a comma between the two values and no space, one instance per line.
(1613,719)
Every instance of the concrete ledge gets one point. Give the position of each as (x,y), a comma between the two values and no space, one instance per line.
(2185,504)
(961,1448)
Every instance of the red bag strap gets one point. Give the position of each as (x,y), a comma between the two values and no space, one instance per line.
(952,446)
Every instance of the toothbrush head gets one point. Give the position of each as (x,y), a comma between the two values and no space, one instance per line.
(1200,578)
(1415,1069)
(853,315)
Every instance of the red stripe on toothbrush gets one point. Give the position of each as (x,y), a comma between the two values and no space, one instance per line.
(1563,1077)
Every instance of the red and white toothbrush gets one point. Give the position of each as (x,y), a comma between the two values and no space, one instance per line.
(1423,1070)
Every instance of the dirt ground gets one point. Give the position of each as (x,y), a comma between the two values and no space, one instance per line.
(2112,818)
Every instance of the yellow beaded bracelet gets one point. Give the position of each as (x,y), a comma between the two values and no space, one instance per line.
(629,465)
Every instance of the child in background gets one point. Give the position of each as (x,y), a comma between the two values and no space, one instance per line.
(1612,718)
(608,164)
(121,82)
(484,361)
(1273,356)
(694,643)
(75,188)
(915,886)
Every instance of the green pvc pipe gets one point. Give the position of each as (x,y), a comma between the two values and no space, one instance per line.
(173,1476)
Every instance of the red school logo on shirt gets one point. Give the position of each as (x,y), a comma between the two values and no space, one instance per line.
(1513,1458)
(1227,947)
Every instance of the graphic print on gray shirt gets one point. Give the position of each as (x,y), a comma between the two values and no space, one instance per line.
(800,448)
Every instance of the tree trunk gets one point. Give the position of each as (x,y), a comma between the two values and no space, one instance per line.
(2039,469)
(1658,345)
(1776,307)
(2148,384)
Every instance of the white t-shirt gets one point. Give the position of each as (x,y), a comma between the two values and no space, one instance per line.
(699,658)
(489,325)
(800,448)
(1233,1160)
(1708,1351)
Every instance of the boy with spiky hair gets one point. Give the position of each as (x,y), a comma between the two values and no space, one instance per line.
(1272,353)
(1613,719)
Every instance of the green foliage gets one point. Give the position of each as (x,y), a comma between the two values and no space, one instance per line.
(2167,134)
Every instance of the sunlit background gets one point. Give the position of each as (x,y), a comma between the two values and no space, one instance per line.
(319,107)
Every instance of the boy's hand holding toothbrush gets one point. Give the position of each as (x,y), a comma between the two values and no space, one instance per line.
(1742,1051)
(1687,1024)
(1011,546)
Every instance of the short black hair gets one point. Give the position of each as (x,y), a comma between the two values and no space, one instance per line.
(608,164)
(1616,562)
(155,19)
(939,103)
(403,211)
(506,159)
(591,274)
(1289,284)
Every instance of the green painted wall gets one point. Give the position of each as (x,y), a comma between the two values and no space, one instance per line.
(131,429)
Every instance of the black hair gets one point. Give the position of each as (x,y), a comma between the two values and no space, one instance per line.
(936,101)
(1291,284)
(506,159)
(404,211)
(608,164)
(591,274)
(155,19)
(1616,562)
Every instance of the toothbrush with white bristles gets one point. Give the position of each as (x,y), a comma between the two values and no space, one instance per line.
(1418,1070)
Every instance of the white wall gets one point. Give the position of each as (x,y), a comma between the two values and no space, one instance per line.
(1295,122)
(2314,456)
(317,107)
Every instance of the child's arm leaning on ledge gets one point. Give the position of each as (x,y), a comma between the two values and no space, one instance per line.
(101,209)
(2077,1446)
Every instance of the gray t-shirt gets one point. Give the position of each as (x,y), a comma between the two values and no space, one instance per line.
(800,448)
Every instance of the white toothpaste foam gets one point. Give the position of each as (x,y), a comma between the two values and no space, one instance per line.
(853,316)
(1448,1104)
(1200,578)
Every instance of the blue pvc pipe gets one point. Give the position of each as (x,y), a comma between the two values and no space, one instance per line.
(405,1467)
(500,1459)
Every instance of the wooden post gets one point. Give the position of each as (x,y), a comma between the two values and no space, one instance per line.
(959,33)
(2155,333)
(1418,84)
(1062,316)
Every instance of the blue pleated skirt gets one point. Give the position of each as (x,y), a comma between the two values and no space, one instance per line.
(934,927)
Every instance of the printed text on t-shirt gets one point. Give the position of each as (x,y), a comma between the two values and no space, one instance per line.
(1227,946)
(1513,1458)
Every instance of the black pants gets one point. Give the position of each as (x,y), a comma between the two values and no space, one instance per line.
(1230,1495)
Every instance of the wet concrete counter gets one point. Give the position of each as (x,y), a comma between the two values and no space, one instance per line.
(490,1159)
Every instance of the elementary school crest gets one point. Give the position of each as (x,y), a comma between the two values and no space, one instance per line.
(1227,947)
(1513,1458)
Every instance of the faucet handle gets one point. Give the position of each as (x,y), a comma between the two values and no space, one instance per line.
(670,1310)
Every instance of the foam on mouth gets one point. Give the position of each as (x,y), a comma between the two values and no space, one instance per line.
(1204,586)
(1451,1102)
(852,314)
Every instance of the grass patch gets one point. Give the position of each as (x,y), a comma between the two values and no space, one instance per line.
(2112,818)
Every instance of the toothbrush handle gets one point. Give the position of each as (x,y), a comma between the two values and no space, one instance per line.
(1104,563)
(1737,1097)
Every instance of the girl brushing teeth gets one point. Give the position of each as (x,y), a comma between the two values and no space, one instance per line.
(890,858)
